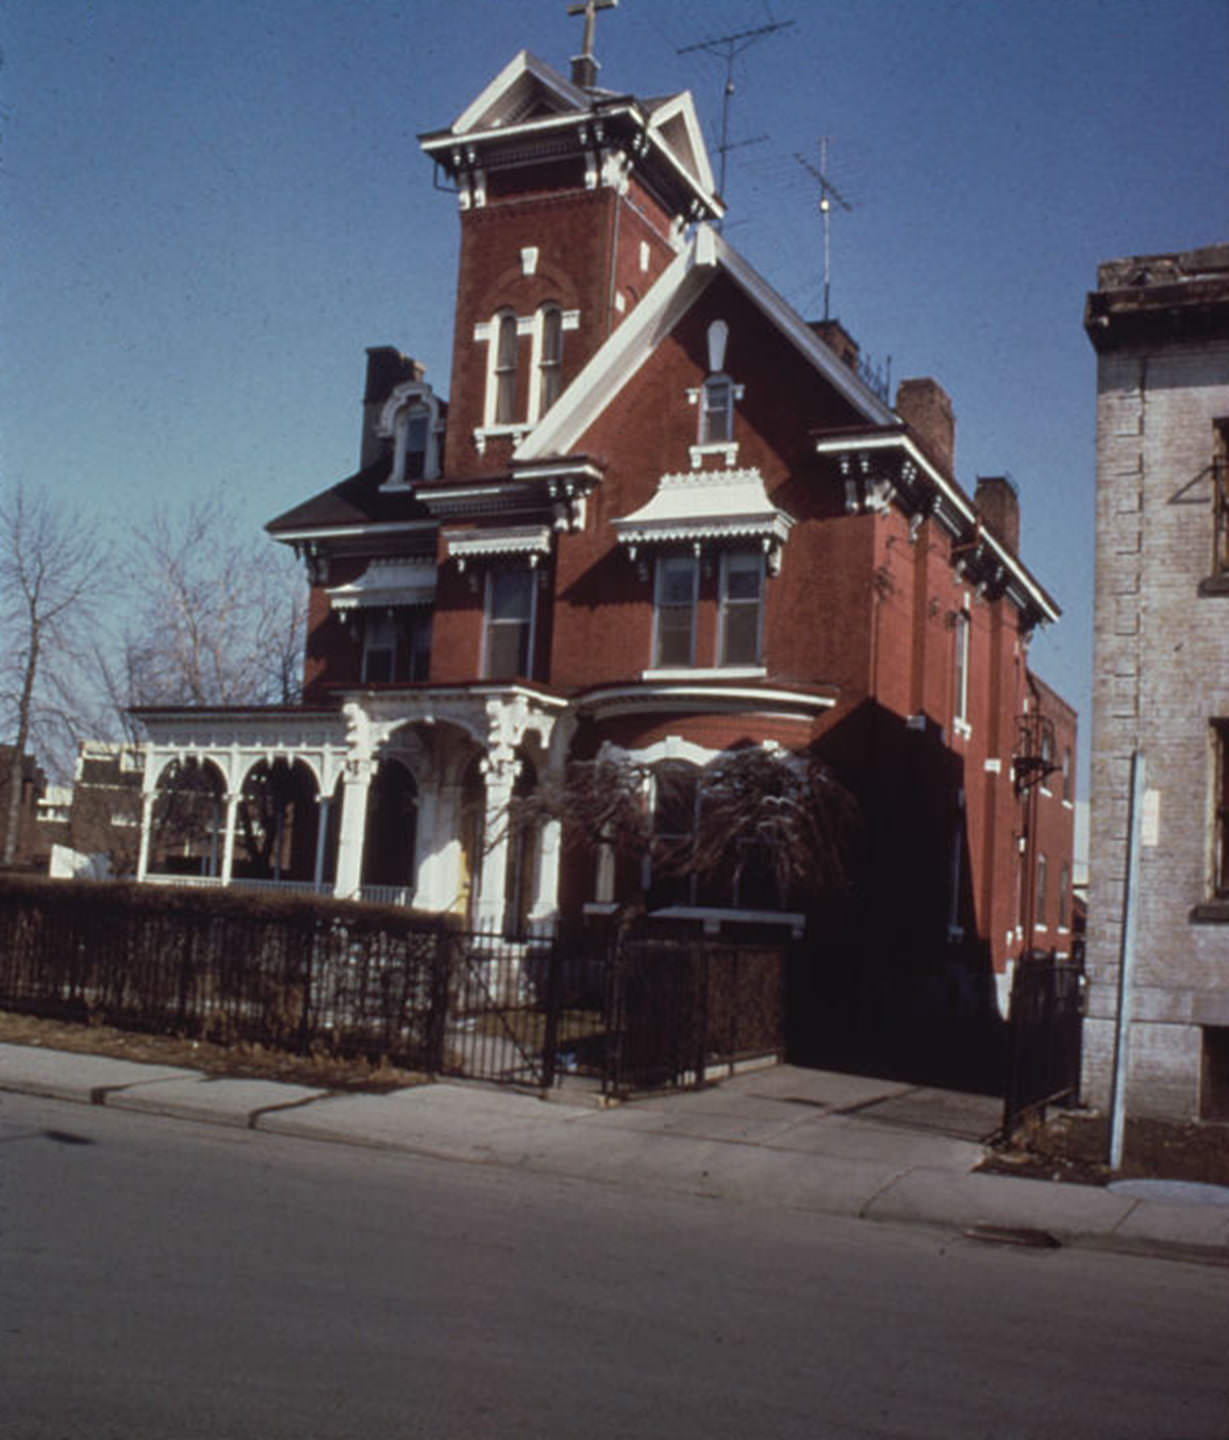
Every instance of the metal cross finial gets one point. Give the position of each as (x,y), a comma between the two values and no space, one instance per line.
(589,10)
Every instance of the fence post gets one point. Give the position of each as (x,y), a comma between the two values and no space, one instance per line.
(437,1025)
(554,993)
(700,1002)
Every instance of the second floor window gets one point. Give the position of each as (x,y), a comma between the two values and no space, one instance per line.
(675,610)
(1220,502)
(742,590)
(1039,899)
(396,645)
(510,609)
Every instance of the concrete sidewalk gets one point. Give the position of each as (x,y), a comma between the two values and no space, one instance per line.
(806,1139)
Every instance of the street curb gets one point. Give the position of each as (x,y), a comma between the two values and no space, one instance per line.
(977,1207)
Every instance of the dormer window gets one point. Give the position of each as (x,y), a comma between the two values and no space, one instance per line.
(411,419)
(715,400)
(417,424)
(550,357)
(717,411)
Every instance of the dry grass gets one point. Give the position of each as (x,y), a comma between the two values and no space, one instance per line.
(242,1060)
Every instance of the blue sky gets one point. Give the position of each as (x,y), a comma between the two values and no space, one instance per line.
(212,209)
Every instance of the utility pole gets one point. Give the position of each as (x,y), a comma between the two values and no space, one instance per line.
(827,194)
(728,47)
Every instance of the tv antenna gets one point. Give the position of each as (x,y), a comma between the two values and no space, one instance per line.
(728,47)
(827,194)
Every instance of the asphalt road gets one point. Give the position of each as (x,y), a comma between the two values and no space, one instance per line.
(159,1279)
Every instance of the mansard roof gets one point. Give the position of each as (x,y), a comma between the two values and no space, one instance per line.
(357,503)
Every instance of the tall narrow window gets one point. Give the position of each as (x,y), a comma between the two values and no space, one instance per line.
(379,647)
(397,644)
(416,445)
(675,610)
(676,798)
(717,410)
(960,660)
(1067,772)
(504,370)
(550,357)
(509,624)
(742,590)
(1039,899)
(1064,895)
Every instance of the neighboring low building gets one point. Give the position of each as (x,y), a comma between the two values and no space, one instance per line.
(33,783)
(93,826)
(1160,327)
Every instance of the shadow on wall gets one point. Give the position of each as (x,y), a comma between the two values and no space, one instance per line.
(893,979)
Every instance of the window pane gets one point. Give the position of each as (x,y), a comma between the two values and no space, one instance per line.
(506,358)
(742,577)
(415,446)
(740,640)
(507,651)
(552,337)
(717,414)
(511,594)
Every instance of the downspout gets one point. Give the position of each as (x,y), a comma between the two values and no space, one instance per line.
(1126,965)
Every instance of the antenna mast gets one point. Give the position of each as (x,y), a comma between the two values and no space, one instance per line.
(827,194)
(730,46)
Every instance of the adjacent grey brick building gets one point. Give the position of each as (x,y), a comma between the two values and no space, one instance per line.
(1160,327)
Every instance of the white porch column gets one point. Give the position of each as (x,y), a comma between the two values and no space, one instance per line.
(147,822)
(546,895)
(356,782)
(428,845)
(500,778)
(228,843)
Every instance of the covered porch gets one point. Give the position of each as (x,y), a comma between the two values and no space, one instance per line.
(398,796)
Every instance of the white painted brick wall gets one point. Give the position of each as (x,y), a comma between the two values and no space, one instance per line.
(1161,673)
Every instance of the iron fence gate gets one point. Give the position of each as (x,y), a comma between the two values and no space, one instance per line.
(629,1013)
(1044,1035)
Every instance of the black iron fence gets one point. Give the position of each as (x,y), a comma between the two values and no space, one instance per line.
(311,975)
(1044,1035)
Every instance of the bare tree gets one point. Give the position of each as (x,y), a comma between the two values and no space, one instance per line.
(52,571)
(217,617)
(781,817)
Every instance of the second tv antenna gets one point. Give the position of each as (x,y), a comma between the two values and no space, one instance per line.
(728,47)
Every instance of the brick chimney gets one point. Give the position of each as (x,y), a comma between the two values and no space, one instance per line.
(924,405)
(838,340)
(387,368)
(998,503)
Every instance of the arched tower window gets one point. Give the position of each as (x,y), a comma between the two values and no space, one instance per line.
(503,369)
(550,356)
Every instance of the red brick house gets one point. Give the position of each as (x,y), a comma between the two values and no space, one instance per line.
(660,515)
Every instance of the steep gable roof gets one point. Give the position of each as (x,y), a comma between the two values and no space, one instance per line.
(525,89)
(678,287)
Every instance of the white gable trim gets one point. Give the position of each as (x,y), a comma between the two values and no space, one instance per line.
(682,106)
(668,299)
(521,64)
